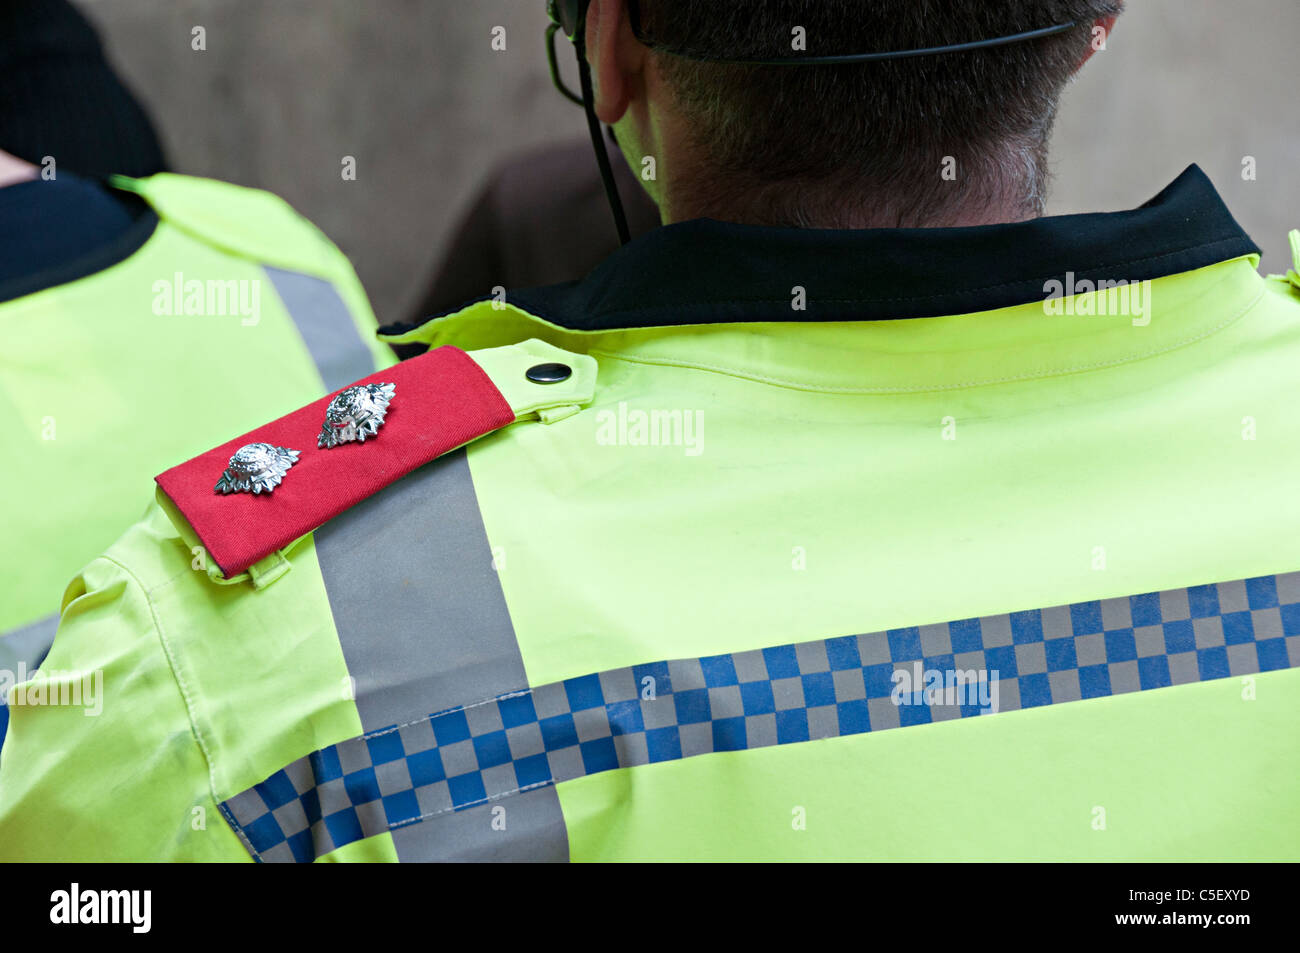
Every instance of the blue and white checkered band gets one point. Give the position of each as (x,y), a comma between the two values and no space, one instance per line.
(434,766)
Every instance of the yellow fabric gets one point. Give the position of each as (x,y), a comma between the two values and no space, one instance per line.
(825,499)
(102,392)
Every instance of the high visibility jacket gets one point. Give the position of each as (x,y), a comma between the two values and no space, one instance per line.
(754,544)
(221,306)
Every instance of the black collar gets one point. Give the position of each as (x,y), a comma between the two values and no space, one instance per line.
(709,272)
(58,231)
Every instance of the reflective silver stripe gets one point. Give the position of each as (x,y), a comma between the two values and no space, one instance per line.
(529,829)
(424,627)
(27,644)
(326,327)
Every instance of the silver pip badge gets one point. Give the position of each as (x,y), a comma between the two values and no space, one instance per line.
(256,468)
(357,412)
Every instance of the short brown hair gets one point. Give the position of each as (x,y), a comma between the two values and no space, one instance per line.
(790,142)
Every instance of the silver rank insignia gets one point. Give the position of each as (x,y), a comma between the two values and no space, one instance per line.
(357,412)
(256,468)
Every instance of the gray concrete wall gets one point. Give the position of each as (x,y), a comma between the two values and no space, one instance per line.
(1185,81)
(413,90)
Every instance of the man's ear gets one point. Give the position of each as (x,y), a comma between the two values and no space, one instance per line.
(1104,25)
(615,57)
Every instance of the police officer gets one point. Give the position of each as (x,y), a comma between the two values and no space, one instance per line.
(143,319)
(60,98)
(842,541)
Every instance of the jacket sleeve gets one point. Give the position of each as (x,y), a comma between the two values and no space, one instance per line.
(101,762)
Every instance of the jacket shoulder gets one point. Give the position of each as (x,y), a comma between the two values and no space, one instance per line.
(249,222)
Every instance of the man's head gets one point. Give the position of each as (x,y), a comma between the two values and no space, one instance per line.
(61,99)
(951,139)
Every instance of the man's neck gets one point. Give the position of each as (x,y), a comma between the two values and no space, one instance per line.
(843,212)
(1004,192)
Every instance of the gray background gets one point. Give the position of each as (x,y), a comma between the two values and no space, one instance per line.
(413,90)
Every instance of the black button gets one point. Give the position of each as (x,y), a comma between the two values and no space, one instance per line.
(549,373)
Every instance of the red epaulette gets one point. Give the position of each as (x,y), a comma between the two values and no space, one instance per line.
(298,472)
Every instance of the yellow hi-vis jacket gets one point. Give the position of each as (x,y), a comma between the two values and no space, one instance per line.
(979,543)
